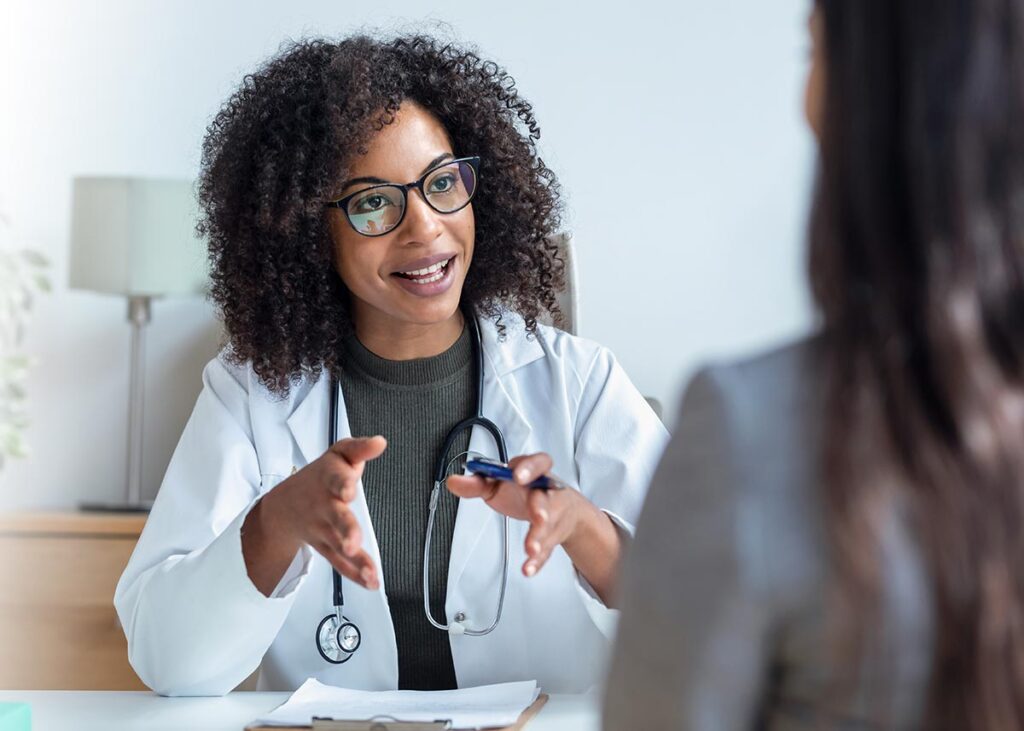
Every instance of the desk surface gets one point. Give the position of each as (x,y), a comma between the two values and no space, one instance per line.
(58,710)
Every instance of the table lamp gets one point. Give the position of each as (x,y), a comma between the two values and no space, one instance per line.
(135,237)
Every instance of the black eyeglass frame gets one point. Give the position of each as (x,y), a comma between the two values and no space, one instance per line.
(342,203)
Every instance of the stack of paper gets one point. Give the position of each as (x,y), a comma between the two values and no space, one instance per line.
(487,706)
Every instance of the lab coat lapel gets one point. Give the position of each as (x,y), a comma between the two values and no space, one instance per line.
(308,426)
(308,422)
(502,405)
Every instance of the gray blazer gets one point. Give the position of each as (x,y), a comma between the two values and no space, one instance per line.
(726,621)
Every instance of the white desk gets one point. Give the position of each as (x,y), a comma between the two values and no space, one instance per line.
(88,710)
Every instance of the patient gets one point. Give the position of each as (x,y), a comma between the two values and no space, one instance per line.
(834,538)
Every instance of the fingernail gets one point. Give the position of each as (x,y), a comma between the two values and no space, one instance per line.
(523,474)
(542,514)
(531,569)
(367,575)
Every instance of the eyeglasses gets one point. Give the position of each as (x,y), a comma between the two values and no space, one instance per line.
(376,210)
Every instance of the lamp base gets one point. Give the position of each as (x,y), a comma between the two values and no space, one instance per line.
(143,506)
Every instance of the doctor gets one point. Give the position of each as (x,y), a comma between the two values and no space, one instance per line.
(377,221)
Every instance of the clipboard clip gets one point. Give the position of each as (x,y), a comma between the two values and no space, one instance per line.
(379,723)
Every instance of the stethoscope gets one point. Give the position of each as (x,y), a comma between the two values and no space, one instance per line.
(338,637)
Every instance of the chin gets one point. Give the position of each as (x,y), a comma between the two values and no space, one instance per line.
(432,313)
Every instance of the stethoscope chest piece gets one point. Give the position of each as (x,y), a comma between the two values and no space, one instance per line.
(337,639)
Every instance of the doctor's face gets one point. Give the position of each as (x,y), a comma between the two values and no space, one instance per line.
(414,272)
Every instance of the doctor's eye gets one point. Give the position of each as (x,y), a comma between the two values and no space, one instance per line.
(444,183)
(372,201)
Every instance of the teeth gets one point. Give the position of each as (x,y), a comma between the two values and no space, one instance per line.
(428,280)
(429,270)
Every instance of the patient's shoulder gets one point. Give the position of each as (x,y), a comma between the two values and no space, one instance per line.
(781,378)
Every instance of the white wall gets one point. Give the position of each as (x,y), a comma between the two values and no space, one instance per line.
(674,126)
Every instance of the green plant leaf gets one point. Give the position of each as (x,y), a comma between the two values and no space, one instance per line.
(34,258)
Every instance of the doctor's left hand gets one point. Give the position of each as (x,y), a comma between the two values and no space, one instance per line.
(555,516)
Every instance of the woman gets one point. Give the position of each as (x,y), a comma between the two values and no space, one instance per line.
(834,538)
(379,223)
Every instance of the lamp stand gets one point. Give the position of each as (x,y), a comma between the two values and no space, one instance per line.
(139,315)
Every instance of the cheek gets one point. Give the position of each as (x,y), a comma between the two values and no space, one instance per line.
(466,233)
(356,261)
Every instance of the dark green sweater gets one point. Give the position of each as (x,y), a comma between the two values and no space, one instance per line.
(414,404)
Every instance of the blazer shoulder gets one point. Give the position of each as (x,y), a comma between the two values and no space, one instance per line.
(784,376)
(766,415)
(771,397)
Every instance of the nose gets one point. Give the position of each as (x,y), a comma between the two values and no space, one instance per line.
(422,223)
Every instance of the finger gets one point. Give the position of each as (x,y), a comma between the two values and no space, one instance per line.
(363,564)
(367,569)
(356,450)
(345,522)
(470,487)
(358,569)
(539,504)
(536,563)
(538,537)
(342,479)
(528,467)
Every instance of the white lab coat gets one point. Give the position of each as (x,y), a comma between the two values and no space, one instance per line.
(196,625)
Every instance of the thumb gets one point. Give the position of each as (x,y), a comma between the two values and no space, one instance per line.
(356,450)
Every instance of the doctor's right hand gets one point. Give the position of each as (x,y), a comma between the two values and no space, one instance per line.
(312,507)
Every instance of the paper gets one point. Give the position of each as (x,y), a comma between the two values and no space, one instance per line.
(487,706)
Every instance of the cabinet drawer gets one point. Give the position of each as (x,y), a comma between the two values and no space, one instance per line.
(58,627)
(73,571)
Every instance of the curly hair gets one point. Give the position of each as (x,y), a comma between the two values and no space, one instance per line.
(276,151)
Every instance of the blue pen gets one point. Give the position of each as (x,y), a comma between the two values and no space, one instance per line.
(496,470)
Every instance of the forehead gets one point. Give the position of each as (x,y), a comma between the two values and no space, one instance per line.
(401,150)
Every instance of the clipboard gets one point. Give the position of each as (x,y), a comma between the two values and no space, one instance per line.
(322,724)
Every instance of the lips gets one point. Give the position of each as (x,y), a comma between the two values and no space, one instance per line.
(419,267)
(427,274)
(428,281)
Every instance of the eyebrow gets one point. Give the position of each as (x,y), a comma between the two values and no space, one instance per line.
(380,181)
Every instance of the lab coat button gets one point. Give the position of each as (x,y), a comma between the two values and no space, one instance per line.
(460,616)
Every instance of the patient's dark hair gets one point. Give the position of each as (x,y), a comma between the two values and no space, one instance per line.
(917,263)
(277,150)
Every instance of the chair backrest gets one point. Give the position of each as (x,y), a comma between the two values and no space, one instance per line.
(569,299)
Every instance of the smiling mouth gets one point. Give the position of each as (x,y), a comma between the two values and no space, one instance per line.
(432,273)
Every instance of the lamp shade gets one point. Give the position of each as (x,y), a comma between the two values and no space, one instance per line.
(136,237)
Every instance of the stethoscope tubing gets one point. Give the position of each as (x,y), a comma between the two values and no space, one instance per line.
(440,474)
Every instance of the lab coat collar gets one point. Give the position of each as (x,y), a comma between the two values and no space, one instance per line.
(308,420)
(517,349)
(502,405)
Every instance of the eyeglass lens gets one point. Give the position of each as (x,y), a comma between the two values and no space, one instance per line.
(446,189)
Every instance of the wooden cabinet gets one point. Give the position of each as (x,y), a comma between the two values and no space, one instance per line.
(58,627)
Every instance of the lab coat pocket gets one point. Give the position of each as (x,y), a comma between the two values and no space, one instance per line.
(270,480)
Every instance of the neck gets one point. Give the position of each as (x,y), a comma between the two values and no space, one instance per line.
(396,340)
